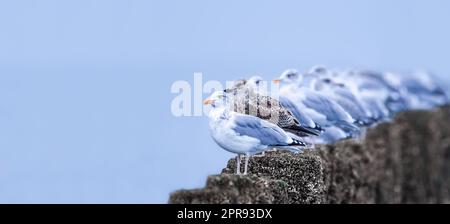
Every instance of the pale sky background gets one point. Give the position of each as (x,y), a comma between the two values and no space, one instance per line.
(85,85)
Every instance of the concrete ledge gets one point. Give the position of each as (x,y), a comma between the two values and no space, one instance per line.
(405,161)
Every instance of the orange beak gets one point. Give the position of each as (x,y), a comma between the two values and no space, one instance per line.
(276,81)
(208,101)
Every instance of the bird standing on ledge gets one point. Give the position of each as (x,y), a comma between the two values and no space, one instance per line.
(244,134)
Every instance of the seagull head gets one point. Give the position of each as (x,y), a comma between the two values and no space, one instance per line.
(289,76)
(255,82)
(323,83)
(318,70)
(216,99)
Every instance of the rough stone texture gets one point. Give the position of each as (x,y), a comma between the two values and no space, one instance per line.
(228,188)
(404,161)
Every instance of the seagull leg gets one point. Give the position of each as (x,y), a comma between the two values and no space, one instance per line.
(247,157)
(362,135)
(238,164)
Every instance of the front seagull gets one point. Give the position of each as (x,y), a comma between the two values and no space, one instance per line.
(244,134)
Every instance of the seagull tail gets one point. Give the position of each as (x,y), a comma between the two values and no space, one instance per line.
(347,127)
(303,131)
(364,122)
(296,146)
(296,142)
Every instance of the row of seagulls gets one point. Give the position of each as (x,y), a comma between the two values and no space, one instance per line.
(246,97)
(319,106)
(427,92)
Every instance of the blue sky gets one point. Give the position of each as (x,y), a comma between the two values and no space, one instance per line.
(85,85)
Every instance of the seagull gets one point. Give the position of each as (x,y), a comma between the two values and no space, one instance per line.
(324,81)
(247,97)
(303,119)
(423,91)
(346,99)
(245,134)
(375,91)
(322,110)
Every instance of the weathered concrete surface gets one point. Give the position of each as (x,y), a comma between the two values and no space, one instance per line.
(226,188)
(405,161)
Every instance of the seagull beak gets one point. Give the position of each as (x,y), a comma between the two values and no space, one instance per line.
(276,81)
(208,101)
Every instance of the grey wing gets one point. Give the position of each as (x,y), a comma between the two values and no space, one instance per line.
(346,94)
(350,96)
(304,119)
(414,86)
(323,105)
(267,133)
(369,84)
(352,107)
(377,111)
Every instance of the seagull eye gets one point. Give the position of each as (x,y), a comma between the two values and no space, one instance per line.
(257,82)
(327,80)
